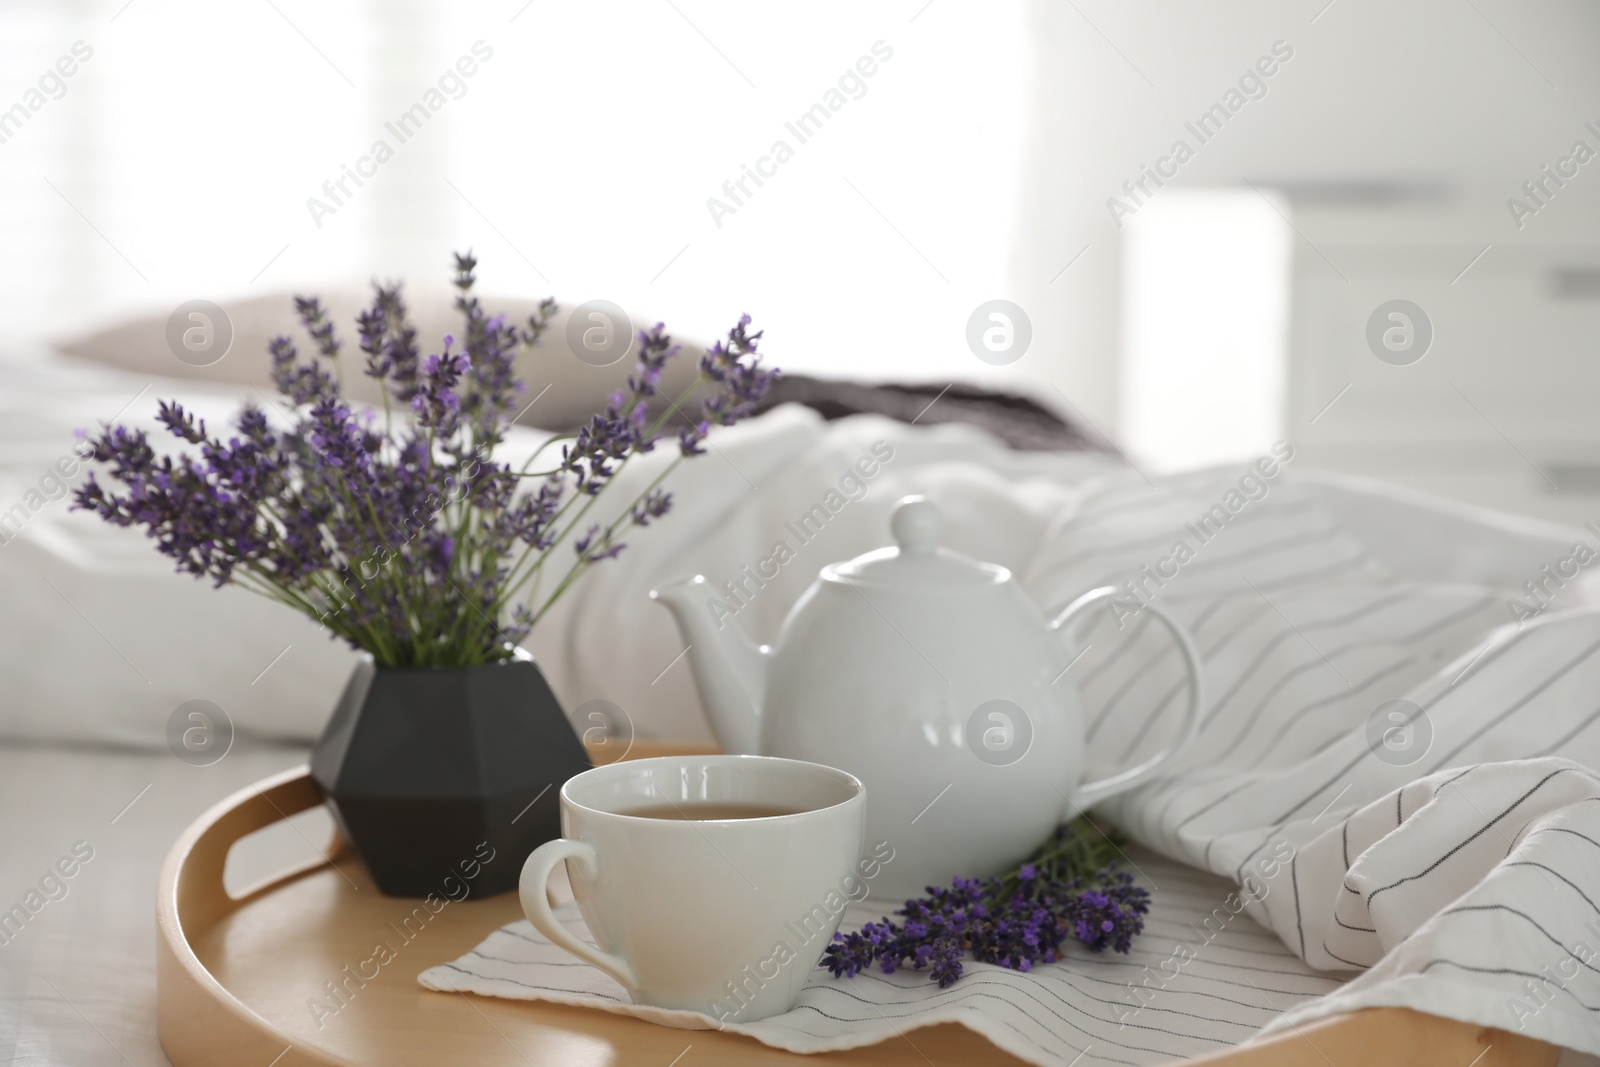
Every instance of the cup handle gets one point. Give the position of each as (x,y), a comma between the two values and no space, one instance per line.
(536,905)
(1092,793)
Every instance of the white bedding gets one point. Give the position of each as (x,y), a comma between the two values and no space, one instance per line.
(77,983)
(108,642)
(113,641)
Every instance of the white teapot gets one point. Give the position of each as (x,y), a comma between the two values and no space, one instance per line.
(932,678)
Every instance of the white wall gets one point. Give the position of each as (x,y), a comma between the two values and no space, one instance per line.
(1448,99)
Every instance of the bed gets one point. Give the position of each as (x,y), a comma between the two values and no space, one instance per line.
(107,646)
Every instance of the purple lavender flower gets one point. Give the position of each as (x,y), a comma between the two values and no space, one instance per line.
(655,504)
(302,383)
(689,438)
(439,550)
(491,345)
(596,545)
(735,367)
(372,327)
(317,324)
(655,351)
(436,402)
(400,351)
(180,422)
(336,434)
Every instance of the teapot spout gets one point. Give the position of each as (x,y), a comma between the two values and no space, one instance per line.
(729,668)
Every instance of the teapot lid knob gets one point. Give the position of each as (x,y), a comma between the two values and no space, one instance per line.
(918,563)
(916,525)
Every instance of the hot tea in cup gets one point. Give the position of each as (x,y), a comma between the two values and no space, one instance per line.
(710,883)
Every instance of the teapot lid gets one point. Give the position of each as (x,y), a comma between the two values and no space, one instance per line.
(916,560)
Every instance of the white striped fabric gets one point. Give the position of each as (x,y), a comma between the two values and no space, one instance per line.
(1451,864)
(1462,872)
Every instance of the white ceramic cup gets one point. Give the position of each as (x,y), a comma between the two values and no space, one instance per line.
(726,917)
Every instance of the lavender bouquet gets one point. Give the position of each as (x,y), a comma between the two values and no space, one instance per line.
(398,530)
(1068,888)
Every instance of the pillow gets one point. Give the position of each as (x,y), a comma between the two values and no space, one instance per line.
(568,388)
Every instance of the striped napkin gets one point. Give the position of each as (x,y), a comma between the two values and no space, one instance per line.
(1232,978)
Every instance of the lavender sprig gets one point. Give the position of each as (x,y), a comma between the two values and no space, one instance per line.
(1068,889)
(598,451)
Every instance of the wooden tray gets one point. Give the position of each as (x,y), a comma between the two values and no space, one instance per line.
(235,974)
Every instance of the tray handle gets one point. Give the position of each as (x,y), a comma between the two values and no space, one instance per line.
(202,897)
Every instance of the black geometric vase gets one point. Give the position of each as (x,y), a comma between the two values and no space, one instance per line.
(428,770)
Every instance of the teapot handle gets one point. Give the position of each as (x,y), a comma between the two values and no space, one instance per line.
(1092,793)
